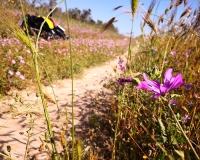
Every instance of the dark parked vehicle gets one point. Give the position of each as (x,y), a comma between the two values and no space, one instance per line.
(49,29)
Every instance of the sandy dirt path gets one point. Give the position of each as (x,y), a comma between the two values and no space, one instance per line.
(13,130)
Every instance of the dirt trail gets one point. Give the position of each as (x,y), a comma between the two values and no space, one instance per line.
(10,128)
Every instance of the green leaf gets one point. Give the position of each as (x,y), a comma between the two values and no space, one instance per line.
(163,129)
(180,153)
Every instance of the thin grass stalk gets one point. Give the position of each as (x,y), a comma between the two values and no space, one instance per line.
(66,153)
(138,145)
(55,99)
(186,137)
(35,60)
(4,124)
(164,58)
(72,78)
(8,157)
(129,46)
(52,140)
(134,5)
(79,149)
(157,6)
(29,137)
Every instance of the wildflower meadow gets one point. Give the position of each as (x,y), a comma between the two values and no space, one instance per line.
(152,107)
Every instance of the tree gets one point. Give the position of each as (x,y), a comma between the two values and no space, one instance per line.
(74,13)
(99,22)
(86,15)
(52,3)
(91,21)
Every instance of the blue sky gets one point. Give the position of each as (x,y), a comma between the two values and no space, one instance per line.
(103,10)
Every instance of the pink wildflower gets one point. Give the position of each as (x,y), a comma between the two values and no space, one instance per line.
(11,72)
(22,77)
(13,61)
(173,52)
(18,73)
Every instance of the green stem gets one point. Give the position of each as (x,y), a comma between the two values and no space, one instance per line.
(34,50)
(35,57)
(55,99)
(29,136)
(52,140)
(164,58)
(190,144)
(72,78)
(129,46)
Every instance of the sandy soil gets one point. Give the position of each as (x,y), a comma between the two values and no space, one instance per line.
(14,123)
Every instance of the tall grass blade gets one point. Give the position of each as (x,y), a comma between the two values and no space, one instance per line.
(116,8)
(72,84)
(186,11)
(108,24)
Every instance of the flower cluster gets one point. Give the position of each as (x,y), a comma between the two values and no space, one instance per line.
(121,66)
(14,62)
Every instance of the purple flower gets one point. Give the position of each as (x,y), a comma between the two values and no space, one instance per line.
(188,86)
(122,80)
(173,52)
(121,61)
(185,118)
(122,68)
(173,102)
(191,104)
(159,89)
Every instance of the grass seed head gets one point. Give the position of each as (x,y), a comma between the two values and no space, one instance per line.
(134,5)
